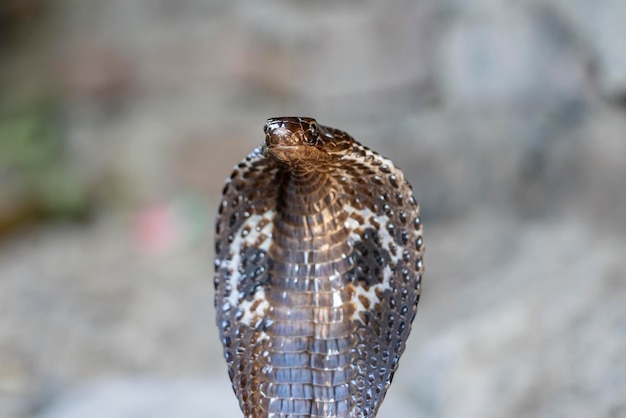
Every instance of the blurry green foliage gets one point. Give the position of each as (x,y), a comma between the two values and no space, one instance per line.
(34,158)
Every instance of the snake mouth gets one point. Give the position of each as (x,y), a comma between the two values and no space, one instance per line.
(287,152)
(288,147)
(296,154)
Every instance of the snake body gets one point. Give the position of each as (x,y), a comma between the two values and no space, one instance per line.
(318,273)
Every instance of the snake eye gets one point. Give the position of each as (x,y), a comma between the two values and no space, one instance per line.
(313,133)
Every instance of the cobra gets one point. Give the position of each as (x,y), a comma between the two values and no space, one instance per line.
(317,273)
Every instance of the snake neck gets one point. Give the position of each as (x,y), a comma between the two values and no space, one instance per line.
(311,337)
(309,227)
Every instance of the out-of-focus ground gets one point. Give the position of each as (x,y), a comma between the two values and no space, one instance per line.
(119,121)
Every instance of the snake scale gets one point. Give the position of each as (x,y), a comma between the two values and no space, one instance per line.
(318,273)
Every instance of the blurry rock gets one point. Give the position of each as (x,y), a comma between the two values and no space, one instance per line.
(146,397)
(166,398)
(540,335)
(488,56)
(97,72)
(338,51)
(600,27)
(597,176)
(493,53)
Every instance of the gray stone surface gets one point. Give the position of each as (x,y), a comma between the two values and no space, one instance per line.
(156,398)
(542,333)
(494,53)
(599,27)
(162,398)
(528,314)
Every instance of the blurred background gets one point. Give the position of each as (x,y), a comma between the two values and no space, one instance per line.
(120,120)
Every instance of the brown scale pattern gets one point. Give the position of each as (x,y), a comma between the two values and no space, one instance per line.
(318,273)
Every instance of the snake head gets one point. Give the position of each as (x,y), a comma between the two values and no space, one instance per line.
(293,139)
(291,131)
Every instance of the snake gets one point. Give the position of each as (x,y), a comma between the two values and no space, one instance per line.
(318,268)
